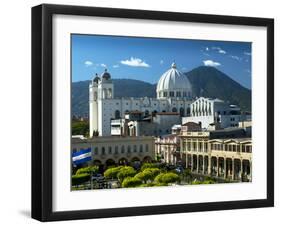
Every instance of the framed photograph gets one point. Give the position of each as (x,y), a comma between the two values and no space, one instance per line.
(145,112)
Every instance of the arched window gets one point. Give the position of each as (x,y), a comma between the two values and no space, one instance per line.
(104,93)
(95,95)
(117,114)
(174,110)
(135,148)
(146,113)
(109,93)
(129,149)
(103,151)
(109,150)
(181,112)
(122,149)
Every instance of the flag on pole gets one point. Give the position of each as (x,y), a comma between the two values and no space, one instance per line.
(82,156)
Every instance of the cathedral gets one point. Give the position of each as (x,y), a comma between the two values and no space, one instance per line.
(174,94)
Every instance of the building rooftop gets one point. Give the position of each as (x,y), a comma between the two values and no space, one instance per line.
(167,113)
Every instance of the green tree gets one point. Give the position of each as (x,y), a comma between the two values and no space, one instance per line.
(112,173)
(148,165)
(125,171)
(80,128)
(80,178)
(131,182)
(88,170)
(167,178)
(148,174)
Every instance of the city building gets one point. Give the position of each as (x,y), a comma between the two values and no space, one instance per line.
(136,123)
(225,154)
(167,149)
(112,150)
(174,94)
(208,111)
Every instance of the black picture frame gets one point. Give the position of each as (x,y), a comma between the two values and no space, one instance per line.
(42,111)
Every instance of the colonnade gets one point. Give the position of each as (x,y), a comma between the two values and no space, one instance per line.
(237,169)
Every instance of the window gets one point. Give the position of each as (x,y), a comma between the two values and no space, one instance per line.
(117,114)
(116,150)
(174,110)
(96,151)
(110,150)
(141,148)
(165,94)
(135,148)
(129,149)
(146,147)
(178,94)
(122,149)
(181,112)
(184,94)
(103,151)
(146,113)
(172,94)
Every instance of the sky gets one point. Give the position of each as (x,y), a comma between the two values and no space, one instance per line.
(146,59)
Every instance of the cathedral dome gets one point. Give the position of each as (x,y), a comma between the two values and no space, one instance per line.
(105,75)
(173,83)
(96,79)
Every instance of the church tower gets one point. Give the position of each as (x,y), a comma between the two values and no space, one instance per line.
(101,90)
(93,104)
(105,94)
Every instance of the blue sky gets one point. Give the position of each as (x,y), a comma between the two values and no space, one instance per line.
(147,59)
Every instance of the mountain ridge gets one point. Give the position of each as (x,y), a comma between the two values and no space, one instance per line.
(206,81)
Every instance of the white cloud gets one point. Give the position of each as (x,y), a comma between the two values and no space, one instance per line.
(247,54)
(115,66)
(204,53)
(103,65)
(235,57)
(135,62)
(88,63)
(219,49)
(161,62)
(211,63)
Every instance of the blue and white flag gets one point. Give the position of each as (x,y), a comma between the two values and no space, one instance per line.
(79,157)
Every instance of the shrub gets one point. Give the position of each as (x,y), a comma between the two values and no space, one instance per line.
(125,171)
(203,182)
(167,178)
(148,165)
(148,174)
(112,173)
(87,170)
(80,178)
(131,182)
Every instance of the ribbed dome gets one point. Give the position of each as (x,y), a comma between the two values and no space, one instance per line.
(173,82)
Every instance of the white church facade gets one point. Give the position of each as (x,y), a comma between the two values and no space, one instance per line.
(208,111)
(174,94)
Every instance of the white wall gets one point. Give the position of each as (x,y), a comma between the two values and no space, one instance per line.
(15,111)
